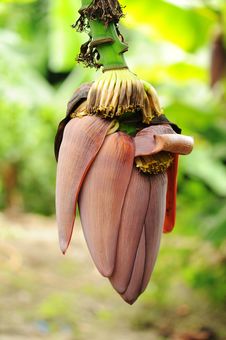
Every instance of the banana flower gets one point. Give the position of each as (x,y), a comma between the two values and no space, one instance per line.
(117,161)
(123,209)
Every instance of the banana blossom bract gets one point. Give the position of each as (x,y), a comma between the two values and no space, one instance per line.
(123,210)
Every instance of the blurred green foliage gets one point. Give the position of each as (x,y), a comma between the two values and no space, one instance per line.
(170,46)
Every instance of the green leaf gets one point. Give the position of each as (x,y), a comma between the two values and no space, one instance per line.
(185,27)
(202,164)
(17,1)
(64,41)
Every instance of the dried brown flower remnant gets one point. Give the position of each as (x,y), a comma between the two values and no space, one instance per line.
(107,11)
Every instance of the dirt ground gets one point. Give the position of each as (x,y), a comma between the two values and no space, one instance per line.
(45,295)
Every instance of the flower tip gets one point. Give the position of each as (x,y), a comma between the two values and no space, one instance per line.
(130,301)
(175,143)
(168,228)
(106,272)
(63,246)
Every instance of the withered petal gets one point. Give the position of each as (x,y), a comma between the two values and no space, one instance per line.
(81,142)
(131,226)
(102,198)
(171,196)
(134,287)
(154,224)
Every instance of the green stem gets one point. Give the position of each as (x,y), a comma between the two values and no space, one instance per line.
(106,40)
(108,44)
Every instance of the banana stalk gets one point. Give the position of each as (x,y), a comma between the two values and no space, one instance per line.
(117,160)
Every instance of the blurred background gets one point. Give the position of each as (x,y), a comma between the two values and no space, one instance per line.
(180,47)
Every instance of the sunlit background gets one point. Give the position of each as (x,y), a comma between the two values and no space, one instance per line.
(180,47)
